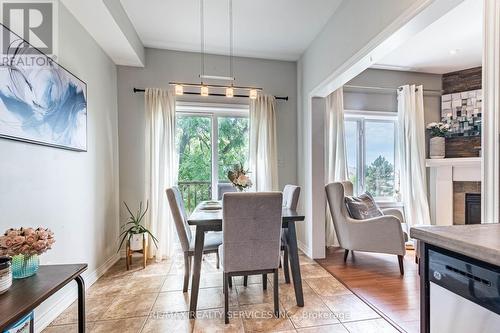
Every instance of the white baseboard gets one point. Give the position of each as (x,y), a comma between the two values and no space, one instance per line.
(69,295)
(304,248)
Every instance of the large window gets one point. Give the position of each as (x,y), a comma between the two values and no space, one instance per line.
(371,153)
(210,139)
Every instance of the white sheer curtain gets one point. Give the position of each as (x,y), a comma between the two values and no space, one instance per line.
(263,157)
(336,160)
(160,167)
(412,154)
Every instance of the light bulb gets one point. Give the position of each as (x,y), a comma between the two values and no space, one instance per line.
(229,92)
(204,91)
(253,94)
(179,89)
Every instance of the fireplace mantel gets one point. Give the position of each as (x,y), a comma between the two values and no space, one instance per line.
(442,173)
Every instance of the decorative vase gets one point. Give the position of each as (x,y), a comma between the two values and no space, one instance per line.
(136,242)
(24,266)
(5,274)
(437,147)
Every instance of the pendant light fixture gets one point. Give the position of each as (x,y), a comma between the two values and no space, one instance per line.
(206,89)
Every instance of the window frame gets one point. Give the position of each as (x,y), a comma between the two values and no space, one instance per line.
(214,111)
(361,117)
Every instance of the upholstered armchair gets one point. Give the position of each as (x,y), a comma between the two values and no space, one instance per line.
(383,234)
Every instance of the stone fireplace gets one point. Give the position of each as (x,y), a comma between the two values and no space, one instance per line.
(466,200)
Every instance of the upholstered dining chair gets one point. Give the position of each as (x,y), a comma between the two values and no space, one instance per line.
(251,227)
(224,188)
(383,234)
(212,239)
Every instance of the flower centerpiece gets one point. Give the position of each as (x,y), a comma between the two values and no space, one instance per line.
(238,177)
(437,142)
(24,245)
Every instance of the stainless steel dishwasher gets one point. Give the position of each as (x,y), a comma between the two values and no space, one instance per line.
(464,295)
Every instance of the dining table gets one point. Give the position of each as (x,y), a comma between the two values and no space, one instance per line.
(211,220)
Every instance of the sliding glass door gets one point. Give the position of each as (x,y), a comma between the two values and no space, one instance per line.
(210,140)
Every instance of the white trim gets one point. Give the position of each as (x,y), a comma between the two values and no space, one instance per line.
(462,161)
(490,187)
(69,294)
(304,248)
(367,114)
(219,108)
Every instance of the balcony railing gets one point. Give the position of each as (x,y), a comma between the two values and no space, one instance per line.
(194,192)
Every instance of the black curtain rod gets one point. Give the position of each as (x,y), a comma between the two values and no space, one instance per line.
(284,98)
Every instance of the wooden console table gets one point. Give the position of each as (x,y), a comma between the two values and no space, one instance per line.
(26,294)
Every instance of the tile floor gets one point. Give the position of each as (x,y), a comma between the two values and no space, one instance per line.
(151,300)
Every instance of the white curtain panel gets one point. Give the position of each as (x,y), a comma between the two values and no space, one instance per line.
(161,168)
(411,147)
(263,157)
(336,160)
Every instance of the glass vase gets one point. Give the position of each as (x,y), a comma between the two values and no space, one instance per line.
(24,266)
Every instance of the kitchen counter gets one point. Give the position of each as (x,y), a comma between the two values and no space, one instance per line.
(478,241)
(459,269)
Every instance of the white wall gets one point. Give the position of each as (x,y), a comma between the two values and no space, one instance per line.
(276,77)
(73,193)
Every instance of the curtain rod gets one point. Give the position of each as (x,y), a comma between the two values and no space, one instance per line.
(283,98)
(389,89)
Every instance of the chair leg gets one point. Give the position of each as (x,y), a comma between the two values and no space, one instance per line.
(245,280)
(346,253)
(187,272)
(286,266)
(227,278)
(230,281)
(401,266)
(218,260)
(276,296)
(264,281)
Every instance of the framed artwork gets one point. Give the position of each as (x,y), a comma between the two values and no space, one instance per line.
(40,101)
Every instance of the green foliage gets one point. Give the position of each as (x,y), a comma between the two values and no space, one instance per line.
(134,225)
(380,178)
(193,139)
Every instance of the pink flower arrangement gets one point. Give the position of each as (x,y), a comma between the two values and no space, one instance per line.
(26,241)
(238,177)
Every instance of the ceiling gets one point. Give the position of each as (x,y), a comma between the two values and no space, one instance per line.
(451,43)
(277,29)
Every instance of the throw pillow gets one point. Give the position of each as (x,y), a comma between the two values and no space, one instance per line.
(362,207)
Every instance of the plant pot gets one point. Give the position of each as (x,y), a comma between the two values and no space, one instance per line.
(24,266)
(437,147)
(136,242)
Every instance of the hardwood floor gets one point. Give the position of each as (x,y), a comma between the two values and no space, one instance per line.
(375,278)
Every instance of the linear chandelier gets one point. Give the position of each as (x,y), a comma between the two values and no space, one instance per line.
(205,89)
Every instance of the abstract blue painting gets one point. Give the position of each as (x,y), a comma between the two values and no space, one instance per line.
(40,101)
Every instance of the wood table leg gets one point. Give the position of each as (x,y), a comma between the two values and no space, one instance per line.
(127,254)
(293,253)
(144,251)
(81,304)
(195,281)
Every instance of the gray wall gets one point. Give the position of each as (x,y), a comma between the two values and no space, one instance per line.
(73,193)
(162,66)
(372,100)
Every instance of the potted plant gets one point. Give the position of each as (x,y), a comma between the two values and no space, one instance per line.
(134,231)
(238,177)
(437,142)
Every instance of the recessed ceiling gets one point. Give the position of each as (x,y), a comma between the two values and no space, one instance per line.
(277,29)
(451,43)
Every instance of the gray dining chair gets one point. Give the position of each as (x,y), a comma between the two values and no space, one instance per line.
(291,194)
(212,239)
(251,227)
(224,188)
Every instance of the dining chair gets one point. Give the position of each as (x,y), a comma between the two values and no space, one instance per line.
(251,227)
(291,194)
(212,239)
(224,188)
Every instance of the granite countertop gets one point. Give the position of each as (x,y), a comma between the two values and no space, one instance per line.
(478,241)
